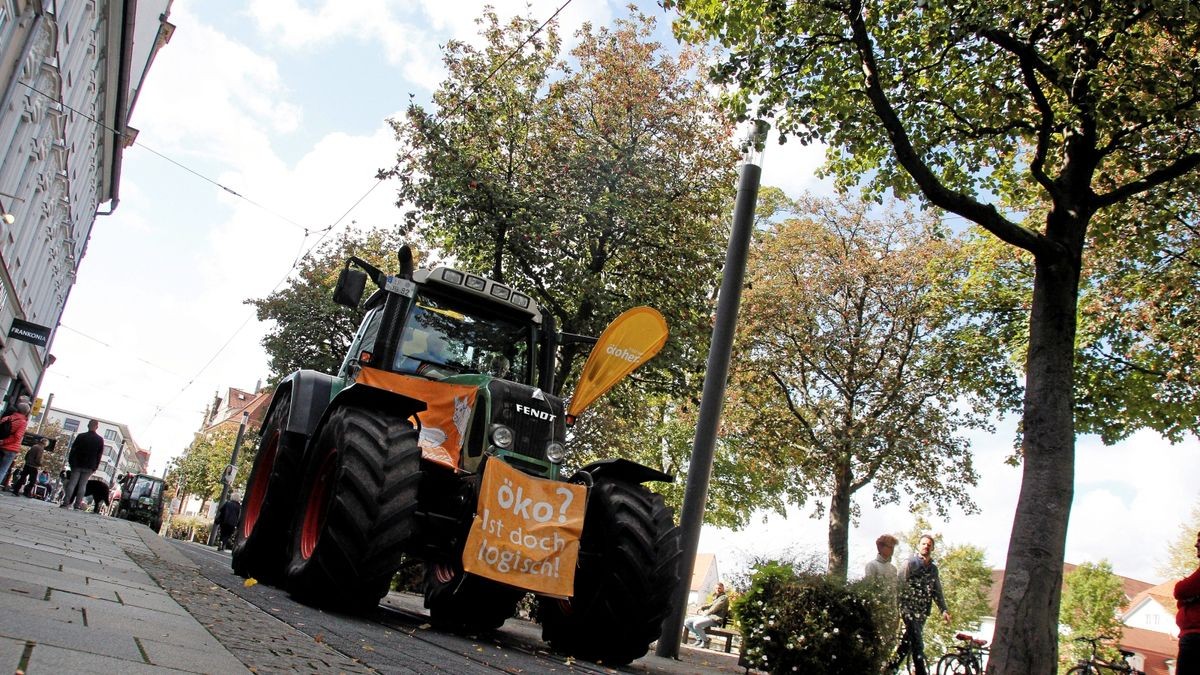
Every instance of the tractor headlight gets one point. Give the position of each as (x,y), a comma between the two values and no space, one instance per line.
(502,436)
(556,452)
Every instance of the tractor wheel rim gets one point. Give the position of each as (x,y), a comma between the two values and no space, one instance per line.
(443,573)
(317,504)
(259,480)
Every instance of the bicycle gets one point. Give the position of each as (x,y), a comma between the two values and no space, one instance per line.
(966,659)
(1093,665)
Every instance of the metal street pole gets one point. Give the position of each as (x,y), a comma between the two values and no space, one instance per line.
(45,413)
(230,472)
(117,464)
(713,398)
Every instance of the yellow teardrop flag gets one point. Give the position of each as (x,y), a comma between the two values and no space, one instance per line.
(629,341)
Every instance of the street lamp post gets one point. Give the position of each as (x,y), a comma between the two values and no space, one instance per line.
(713,398)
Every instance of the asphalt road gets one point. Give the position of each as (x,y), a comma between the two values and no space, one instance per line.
(270,632)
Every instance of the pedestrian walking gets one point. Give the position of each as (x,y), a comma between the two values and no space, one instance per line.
(881,574)
(29,473)
(1187,596)
(227,520)
(84,458)
(712,614)
(12,430)
(881,569)
(920,586)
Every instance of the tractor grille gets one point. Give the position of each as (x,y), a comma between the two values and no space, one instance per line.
(511,406)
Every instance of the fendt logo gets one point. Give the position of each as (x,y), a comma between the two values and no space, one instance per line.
(626,354)
(533,412)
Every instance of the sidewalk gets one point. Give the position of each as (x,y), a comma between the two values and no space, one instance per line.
(72,598)
(85,593)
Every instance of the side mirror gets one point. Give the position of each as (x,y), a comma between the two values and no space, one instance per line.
(350,286)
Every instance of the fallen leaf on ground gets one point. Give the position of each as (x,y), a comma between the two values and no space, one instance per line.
(319,637)
(250,582)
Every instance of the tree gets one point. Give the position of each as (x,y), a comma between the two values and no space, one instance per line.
(1092,597)
(595,187)
(848,370)
(310,330)
(1181,554)
(991,109)
(199,469)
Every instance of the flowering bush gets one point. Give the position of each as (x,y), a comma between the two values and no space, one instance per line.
(188,528)
(802,622)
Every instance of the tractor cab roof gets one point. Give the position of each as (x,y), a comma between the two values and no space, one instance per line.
(486,289)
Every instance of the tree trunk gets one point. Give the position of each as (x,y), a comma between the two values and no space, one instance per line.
(839,522)
(1027,621)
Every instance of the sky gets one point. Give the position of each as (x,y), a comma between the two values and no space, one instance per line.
(285,104)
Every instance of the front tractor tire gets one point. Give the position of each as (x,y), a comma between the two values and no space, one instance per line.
(355,515)
(260,548)
(628,566)
(466,603)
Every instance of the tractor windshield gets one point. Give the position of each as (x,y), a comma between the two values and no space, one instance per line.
(146,487)
(443,338)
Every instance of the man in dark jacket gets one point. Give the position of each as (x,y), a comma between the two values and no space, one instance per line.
(712,614)
(29,473)
(227,519)
(84,458)
(920,586)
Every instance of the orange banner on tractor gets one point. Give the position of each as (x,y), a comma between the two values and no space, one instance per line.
(526,531)
(629,341)
(443,423)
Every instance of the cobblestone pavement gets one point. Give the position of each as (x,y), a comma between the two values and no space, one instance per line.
(262,642)
(397,638)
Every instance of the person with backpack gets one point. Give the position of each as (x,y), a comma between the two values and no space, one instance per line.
(12,430)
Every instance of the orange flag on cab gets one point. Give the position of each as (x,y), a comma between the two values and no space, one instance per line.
(629,341)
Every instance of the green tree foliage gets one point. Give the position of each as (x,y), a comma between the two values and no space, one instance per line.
(1092,596)
(1043,123)
(198,470)
(849,368)
(1181,554)
(309,330)
(595,186)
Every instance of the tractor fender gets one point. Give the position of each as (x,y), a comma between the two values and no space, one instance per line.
(310,396)
(623,469)
(367,397)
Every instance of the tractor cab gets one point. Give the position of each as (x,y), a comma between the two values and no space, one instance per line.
(141,499)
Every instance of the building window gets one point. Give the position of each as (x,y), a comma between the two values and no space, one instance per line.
(110,434)
(71,425)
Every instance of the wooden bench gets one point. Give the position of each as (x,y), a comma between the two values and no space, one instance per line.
(714,632)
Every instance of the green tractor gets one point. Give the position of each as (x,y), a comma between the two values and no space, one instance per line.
(141,499)
(384,462)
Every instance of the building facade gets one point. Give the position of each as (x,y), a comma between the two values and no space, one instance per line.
(122,454)
(70,73)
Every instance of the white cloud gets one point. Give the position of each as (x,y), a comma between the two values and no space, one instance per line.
(792,167)
(1129,501)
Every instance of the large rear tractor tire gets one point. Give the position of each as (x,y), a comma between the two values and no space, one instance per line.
(628,567)
(356,510)
(260,548)
(464,602)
